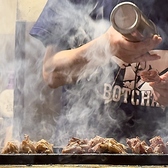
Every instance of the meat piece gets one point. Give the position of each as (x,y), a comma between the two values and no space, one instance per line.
(73,148)
(10,147)
(85,148)
(96,145)
(114,146)
(145,148)
(43,146)
(134,144)
(160,149)
(150,76)
(139,147)
(27,146)
(99,148)
(96,140)
(79,141)
(76,145)
(158,145)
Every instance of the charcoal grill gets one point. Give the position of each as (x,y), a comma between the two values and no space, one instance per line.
(87,158)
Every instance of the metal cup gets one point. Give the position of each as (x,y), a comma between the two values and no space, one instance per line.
(129,20)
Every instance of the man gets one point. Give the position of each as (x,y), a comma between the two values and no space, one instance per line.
(99,69)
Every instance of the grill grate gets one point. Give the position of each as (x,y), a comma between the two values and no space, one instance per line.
(114,159)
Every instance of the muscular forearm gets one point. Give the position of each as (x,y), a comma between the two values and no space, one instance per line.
(66,66)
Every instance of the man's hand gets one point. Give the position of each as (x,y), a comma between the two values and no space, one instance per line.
(161,90)
(159,85)
(131,52)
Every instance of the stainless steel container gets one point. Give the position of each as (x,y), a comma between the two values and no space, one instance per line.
(129,20)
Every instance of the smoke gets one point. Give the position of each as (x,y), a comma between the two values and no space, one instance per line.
(82,114)
(36,105)
(6,67)
(85,114)
(74,110)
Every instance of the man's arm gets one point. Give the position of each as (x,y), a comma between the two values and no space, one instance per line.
(64,67)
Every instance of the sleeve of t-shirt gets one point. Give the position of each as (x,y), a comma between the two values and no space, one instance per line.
(67,24)
(61,22)
(43,28)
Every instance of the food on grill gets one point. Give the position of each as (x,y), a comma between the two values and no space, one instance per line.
(158,145)
(141,147)
(150,76)
(10,147)
(76,145)
(43,146)
(137,146)
(27,146)
(95,145)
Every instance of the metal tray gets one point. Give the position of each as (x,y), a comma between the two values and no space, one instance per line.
(114,159)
